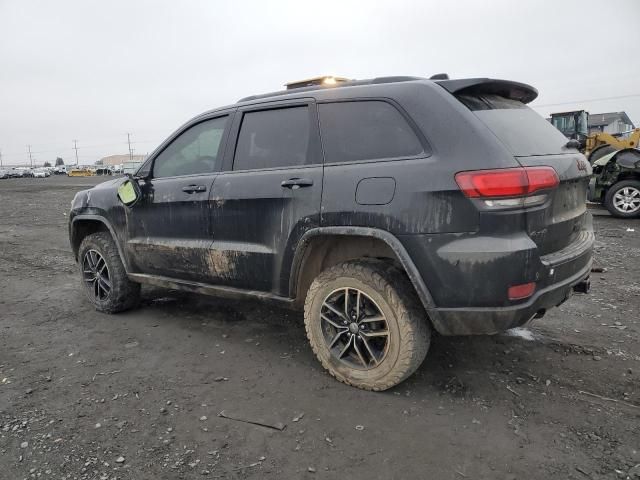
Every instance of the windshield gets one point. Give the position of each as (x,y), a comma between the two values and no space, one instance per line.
(583,123)
(571,123)
(565,124)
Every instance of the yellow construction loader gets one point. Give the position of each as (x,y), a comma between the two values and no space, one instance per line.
(574,125)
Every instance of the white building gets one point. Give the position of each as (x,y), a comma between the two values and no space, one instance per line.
(612,122)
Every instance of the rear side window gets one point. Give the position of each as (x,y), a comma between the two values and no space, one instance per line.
(273,138)
(365,130)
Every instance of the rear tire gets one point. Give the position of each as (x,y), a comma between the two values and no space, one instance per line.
(104,278)
(340,311)
(616,200)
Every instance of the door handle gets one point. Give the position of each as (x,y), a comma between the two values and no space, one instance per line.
(194,188)
(295,183)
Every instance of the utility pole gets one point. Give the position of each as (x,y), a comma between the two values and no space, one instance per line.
(0,158)
(30,157)
(130,151)
(75,146)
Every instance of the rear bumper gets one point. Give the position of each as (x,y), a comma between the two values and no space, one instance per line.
(476,272)
(478,321)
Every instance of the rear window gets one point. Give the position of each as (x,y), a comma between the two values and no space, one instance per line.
(365,130)
(489,102)
(523,131)
(273,138)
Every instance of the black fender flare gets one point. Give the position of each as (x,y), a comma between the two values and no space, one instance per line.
(106,223)
(628,158)
(387,237)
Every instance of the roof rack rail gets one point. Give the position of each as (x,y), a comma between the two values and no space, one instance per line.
(339,83)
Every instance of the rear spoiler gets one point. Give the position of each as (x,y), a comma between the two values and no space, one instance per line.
(505,88)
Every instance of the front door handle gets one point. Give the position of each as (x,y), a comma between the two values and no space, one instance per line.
(295,183)
(194,188)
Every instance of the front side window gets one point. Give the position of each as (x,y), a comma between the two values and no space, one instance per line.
(365,130)
(195,151)
(273,138)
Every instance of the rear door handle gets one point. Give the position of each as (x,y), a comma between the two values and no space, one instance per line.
(295,183)
(194,188)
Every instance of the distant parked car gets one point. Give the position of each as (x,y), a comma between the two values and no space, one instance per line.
(4,174)
(40,173)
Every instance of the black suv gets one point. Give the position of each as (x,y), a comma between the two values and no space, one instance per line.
(385,208)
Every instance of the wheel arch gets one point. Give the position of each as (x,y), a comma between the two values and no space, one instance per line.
(316,251)
(627,175)
(83,225)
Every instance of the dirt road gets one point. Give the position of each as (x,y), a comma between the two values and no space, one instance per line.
(137,395)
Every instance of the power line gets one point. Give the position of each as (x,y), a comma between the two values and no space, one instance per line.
(65,150)
(587,101)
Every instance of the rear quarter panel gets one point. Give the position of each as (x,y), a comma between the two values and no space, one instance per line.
(426,198)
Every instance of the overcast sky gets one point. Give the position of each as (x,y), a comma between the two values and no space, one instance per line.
(95,70)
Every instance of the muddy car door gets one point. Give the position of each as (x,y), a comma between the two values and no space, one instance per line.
(268,194)
(169,229)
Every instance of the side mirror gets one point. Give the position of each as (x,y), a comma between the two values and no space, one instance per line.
(129,192)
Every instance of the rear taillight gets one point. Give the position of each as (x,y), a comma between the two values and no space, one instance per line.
(508,187)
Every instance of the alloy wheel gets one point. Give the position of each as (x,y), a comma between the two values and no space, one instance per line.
(627,200)
(95,274)
(354,328)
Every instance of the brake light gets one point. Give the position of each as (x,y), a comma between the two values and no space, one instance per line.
(519,292)
(506,182)
(541,178)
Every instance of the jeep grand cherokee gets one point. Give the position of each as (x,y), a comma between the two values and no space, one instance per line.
(384,208)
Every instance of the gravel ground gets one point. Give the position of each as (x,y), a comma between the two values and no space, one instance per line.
(139,395)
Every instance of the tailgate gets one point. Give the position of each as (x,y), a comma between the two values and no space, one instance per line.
(535,142)
(559,221)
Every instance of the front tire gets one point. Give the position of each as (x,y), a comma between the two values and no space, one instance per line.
(104,278)
(366,324)
(623,199)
